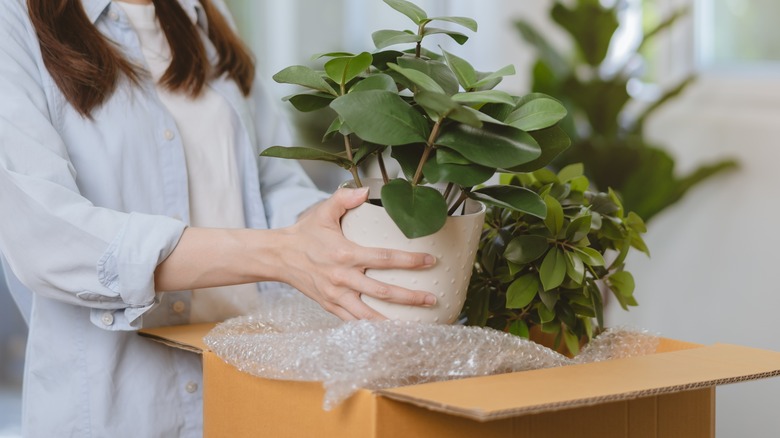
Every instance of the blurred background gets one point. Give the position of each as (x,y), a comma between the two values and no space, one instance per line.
(675,103)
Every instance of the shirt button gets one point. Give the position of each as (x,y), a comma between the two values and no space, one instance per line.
(113,16)
(168,134)
(191,387)
(178,306)
(107,318)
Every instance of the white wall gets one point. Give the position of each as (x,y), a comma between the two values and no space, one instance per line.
(712,275)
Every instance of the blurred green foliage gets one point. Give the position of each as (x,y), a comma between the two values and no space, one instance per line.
(607,138)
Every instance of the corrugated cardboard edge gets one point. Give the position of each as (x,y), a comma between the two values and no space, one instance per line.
(488,415)
(184,337)
(483,416)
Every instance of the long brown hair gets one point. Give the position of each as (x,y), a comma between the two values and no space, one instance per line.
(86,66)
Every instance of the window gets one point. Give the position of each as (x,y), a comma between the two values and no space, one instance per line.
(734,33)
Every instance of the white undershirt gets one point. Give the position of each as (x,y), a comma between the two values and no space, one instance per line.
(206,126)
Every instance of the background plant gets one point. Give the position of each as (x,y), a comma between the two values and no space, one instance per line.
(551,272)
(606,136)
(441,118)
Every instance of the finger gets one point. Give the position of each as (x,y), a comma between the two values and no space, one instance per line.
(342,313)
(360,310)
(343,200)
(393,294)
(382,258)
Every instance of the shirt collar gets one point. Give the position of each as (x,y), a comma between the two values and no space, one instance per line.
(95,8)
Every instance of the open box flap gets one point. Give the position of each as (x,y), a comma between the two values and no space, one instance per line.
(184,337)
(509,395)
(678,366)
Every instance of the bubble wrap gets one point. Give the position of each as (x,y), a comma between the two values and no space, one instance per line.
(294,339)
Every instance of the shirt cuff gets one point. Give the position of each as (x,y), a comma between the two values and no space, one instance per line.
(127,266)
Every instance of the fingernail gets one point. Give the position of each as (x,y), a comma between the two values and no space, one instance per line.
(361,191)
(430,260)
(430,300)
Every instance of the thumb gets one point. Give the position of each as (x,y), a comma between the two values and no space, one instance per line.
(345,199)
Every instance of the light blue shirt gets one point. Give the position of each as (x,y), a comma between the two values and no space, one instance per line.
(89,209)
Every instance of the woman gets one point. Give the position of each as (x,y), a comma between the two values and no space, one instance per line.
(132,196)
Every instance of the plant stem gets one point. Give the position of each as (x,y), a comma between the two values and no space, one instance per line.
(428,148)
(382,168)
(448,190)
(461,199)
(353,169)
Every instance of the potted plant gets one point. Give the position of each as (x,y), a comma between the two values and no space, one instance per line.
(606,123)
(449,131)
(549,273)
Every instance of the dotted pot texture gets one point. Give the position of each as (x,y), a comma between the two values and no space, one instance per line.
(454,247)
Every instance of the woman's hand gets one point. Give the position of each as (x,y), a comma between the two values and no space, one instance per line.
(320,262)
(313,256)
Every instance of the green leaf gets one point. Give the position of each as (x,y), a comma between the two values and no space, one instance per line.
(537,114)
(553,269)
(549,298)
(308,102)
(414,12)
(381,117)
(457,36)
(504,71)
(419,78)
(334,127)
(344,69)
(554,218)
(441,169)
(570,172)
(408,157)
(317,56)
(511,197)
(387,38)
(383,57)
(526,248)
(417,210)
(481,97)
(575,268)
(436,70)
(635,222)
(578,228)
(465,73)
(466,22)
(623,282)
(484,118)
(552,141)
(591,27)
(545,315)
(440,106)
(590,256)
(579,184)
(305,77)
(598,304)
(519,328)
(491,145)
(572,342)
(366,150)
(303,153)
(522,291)
(377,81)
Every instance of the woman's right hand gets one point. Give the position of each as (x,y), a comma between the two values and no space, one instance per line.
(312,255)
(320,262)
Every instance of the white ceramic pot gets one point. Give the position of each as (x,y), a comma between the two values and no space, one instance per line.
(454,247)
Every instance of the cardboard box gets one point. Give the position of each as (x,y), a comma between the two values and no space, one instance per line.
(667,394)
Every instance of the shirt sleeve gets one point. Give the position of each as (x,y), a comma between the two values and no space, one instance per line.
(287,189)
(56,242)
